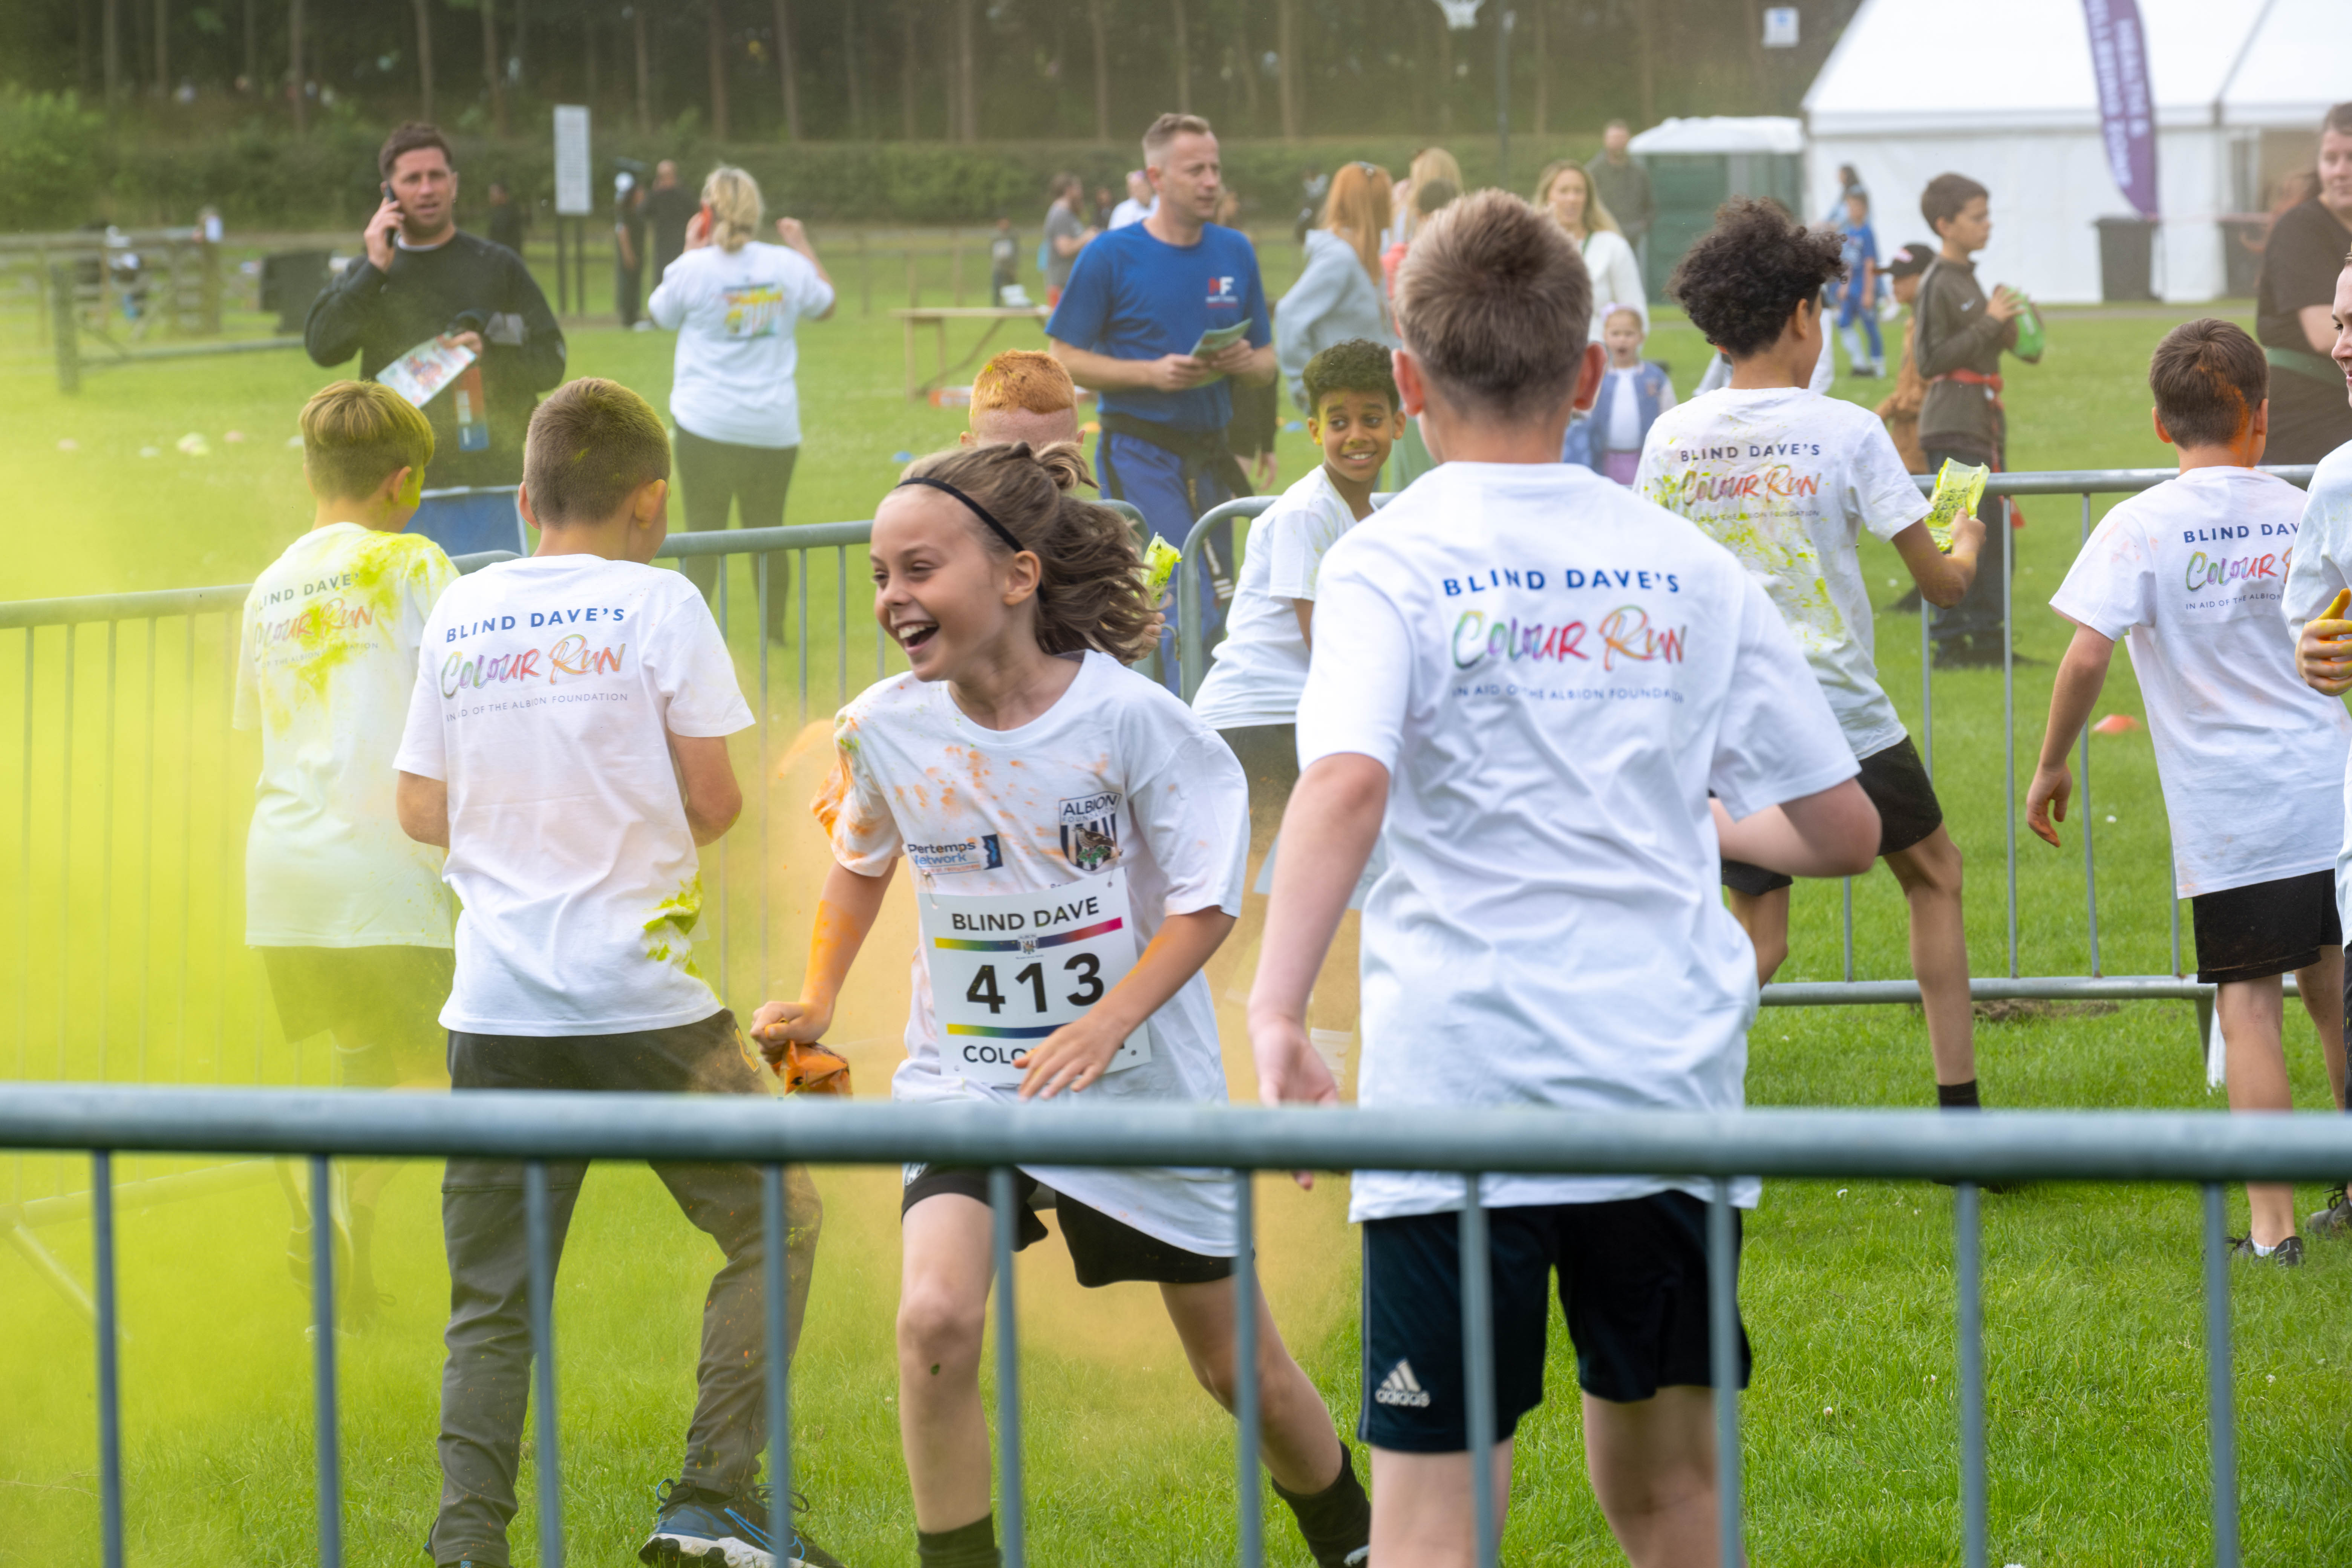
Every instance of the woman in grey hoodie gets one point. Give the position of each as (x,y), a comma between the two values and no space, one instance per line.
(1339,295)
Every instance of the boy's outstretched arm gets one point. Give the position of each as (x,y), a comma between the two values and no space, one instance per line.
(1830,833)
(1328,832)
(846,911)
(422,806)
(2081,675)
(1943,579)
(705,782)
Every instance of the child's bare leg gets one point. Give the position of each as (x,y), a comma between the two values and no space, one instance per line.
(947,1267)
(1653,1469)
(1421,1511)
(1929,873)
(1301,1450)
(2322,984)
(2254,1015)
(1765,918)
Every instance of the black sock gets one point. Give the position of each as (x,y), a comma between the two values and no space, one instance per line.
(1958,1096)
(970,1545)
(1337,1521)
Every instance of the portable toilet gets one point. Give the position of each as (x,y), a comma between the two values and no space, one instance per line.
(1697,164)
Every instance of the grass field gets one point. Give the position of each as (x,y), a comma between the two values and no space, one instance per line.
(2096,1392)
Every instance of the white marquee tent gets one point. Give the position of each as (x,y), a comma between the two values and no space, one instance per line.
(2002,90)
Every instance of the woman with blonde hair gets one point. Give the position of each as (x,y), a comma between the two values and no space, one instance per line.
(1338,294)
(1431,163)
(733,302)
(1565,190)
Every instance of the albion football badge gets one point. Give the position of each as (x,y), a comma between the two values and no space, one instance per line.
(1090,831)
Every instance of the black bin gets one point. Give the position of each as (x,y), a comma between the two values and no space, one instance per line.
(2126,259)
(290,280)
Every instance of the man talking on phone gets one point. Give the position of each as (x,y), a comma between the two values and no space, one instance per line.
(1155,318)
(423,279)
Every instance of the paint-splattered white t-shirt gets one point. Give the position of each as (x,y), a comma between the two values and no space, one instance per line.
(1788,481)
(1556,675)
(545,695)
(1261,667)
(324,664)
(2320,565)
(1116,775)
(2250,759)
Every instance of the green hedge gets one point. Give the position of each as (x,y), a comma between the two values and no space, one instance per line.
(60,168)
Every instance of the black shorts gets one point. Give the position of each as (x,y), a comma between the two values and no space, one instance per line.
(1103,1250)
(1632,1284)
(1896,782)
(2265,929)
(383,1003)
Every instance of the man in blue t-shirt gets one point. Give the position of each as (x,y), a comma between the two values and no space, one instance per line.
(1139,301)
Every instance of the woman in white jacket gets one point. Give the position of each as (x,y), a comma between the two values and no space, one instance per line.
(1339,295)
(734,303)
(1566,191)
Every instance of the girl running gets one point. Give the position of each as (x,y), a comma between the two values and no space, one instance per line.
(1076,838)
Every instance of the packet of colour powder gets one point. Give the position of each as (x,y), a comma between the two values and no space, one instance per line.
(1959,488)
(420,375)
(1159,566)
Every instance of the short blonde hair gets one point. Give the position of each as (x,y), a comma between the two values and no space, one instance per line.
(1493,299)
(1024,379)
(734,197)
(592,444)
(1165,130)
(356,433)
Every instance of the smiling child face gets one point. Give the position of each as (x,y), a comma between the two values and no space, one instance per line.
(1355,430)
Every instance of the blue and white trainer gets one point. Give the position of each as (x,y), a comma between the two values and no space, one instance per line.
(700,1527)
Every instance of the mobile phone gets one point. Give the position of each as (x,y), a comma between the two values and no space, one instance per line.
(707,220)
(388,195)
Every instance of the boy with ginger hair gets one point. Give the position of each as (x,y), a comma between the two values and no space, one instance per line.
(1023,396)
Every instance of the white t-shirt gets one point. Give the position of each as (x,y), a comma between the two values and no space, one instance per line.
(2320,566)
(545,696)
(2250,759)
(734,313)
(1261,667)
(323,669)
(1132,211)
(1118,763)
(1555,674)
(1625,432)
(1787,481)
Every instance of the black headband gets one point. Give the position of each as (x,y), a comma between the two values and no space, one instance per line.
(978,511)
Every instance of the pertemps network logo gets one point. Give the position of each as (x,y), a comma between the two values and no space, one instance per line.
(1400,1387)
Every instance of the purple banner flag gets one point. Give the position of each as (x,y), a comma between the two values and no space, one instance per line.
(2127,114)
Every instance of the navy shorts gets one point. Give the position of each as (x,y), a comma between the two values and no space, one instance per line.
(1632,1284)
(2265,929)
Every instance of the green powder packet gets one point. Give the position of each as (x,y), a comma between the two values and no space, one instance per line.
(1159,566)
(1959,488)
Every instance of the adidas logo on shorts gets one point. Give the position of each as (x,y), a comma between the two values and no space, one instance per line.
(1400,1387)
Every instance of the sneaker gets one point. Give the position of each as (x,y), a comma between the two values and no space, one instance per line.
(699,1525)
(2333,1222)
(2287,1253)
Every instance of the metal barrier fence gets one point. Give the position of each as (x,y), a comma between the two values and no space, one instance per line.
(2016,984)
(536,1128)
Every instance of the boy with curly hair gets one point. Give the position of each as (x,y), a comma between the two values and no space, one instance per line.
(1787,481)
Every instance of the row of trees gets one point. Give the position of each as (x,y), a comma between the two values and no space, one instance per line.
(958,70)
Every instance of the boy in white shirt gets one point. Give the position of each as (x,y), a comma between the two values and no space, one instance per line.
(1251,694)
(1538,678)
(350,915)
(2320,572)
(2251,760)
(1787,481)
(567,743)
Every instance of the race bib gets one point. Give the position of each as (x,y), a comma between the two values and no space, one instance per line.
(1009,969)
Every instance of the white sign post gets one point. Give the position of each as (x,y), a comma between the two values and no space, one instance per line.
(1780,27)
(575,197)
